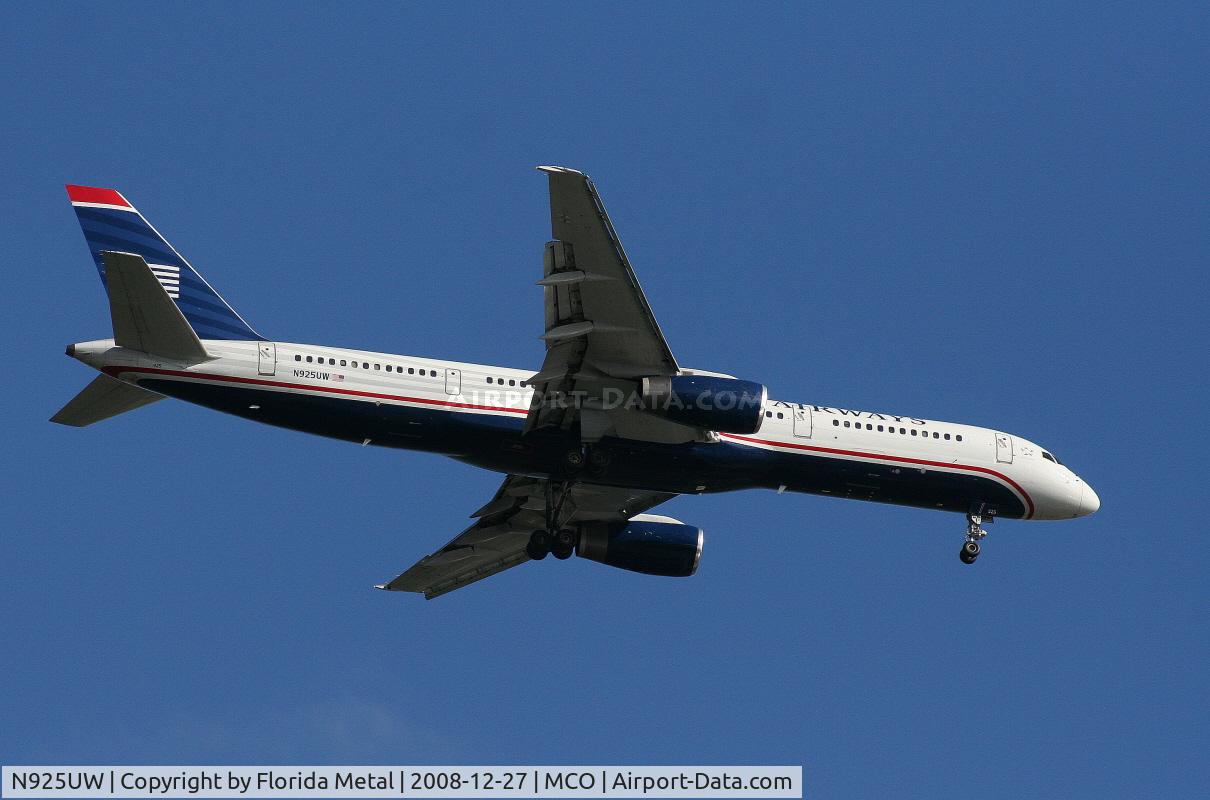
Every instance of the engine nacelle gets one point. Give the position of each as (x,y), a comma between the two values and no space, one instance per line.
(705,401)
(649,544)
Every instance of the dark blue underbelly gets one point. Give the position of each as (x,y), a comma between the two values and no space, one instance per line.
(495,442)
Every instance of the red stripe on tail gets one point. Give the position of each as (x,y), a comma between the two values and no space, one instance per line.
(89,194)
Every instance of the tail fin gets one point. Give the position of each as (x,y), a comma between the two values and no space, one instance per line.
(105,397)
(111,223)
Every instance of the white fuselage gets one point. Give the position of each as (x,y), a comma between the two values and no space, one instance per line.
(888,449)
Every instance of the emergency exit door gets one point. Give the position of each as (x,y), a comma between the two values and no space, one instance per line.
(266,360)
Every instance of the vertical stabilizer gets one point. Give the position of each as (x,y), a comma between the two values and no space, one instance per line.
(111,223)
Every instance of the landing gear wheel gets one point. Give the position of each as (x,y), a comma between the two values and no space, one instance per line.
(974,532)
(539,545)
(564,544)
(573,459)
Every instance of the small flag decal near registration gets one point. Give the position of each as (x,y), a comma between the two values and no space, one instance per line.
(169,277)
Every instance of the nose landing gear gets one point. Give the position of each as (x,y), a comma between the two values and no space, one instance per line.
(974,532)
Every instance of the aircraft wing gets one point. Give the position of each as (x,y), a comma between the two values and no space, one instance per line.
(601,338)
(497,539)
(601,335)
(623,338)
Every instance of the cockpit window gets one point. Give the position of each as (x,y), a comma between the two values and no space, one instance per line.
(1049,457)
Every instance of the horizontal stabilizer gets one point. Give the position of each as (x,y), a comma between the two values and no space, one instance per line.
(105,397)
(144,316)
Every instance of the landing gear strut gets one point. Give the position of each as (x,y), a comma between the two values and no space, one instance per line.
(554,539)
(974,532)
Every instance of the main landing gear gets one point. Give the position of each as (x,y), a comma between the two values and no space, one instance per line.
(554,539)
(974,532)
(561,545)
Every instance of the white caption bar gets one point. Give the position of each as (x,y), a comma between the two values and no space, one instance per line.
(396,781)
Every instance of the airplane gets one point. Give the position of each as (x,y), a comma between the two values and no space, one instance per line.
(609,427)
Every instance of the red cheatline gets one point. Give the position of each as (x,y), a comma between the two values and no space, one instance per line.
(90,194)
(902,459)
(116,371)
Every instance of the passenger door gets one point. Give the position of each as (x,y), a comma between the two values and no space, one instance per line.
(1004,448)
(266,359)
(453,381)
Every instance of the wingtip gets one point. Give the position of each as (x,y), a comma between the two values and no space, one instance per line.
(382,586)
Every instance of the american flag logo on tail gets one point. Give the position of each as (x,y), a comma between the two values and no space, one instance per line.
(169,277)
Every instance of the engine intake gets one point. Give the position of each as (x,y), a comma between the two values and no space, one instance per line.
(653,546)
(714,403)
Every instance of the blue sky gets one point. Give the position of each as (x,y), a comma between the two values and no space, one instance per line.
(994,216)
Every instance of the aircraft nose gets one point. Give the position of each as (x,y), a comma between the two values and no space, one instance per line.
(1089,502)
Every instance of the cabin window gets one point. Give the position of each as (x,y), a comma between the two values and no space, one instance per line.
(846,423)
(901,430)
(869,426)
(913,431)
(411,370)
(512,382)
(780,415)
(880,429)
(958,437)
(297,357)
(935,435)
(308,359)
(433,373)
(947,437)
(836,422)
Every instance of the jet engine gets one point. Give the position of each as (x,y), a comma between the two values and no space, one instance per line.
(705,401)
(648,543)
